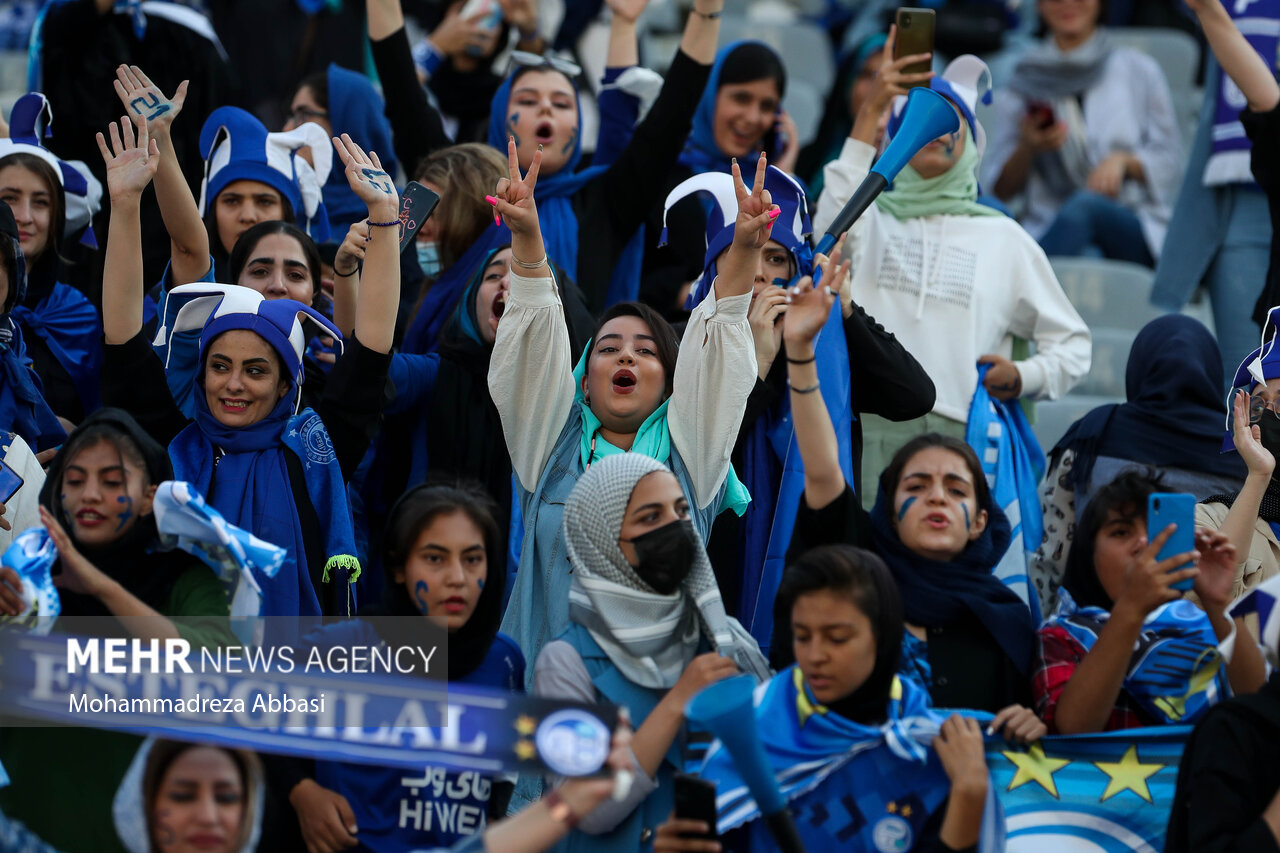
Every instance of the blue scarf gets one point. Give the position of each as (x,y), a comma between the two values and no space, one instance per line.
(355,108)
(936,593)
(68,324)
(257,494)
(701,154)
(443,295)
(1228,163)
(867,771)
(1176,672)
(555,192)
(22,406)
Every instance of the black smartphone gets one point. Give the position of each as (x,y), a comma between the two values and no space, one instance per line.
(10,482)
(416,204)
(1042,113)
(915,29)
(696,800)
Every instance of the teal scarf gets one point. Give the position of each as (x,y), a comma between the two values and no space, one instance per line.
(954,192)
(653,439)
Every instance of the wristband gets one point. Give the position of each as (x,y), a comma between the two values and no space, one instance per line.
(809,390)
(427,57)
(710,16)
(560,810)
(355,270)
(808,360)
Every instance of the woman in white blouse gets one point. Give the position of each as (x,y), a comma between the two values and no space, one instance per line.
(631,391)
(1087,131)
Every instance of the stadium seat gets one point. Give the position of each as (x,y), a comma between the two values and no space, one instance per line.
(1108,294)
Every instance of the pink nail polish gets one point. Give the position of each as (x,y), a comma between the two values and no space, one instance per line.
(491,199)
(774,214)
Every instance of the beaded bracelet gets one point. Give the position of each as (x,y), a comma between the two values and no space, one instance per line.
(373,224)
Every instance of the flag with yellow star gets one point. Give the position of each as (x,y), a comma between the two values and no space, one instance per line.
(1106,792)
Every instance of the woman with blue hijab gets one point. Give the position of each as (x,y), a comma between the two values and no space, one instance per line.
(589,217)
(344,101)
(738,116)
(278,474)
(23,409)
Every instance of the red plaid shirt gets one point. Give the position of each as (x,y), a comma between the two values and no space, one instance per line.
(1060,654)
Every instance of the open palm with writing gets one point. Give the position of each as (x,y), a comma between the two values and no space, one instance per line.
(143,98)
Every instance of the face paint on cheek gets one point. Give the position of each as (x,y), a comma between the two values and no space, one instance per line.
(511,127)
(569,146)
(906,505)
(965,508)
(420,596)
(480,582)
(127,513)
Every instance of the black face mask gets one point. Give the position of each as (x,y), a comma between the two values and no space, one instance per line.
(666,555)
(1269,429)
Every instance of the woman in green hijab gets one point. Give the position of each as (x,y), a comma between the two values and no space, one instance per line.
(953,279)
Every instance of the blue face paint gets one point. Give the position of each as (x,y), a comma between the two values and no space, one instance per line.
(568,146)
(420,596)
(965,507)
(511,128)
(906,505)
(128,511)
(480,581)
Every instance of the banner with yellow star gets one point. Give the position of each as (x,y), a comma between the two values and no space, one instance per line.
(1106,792)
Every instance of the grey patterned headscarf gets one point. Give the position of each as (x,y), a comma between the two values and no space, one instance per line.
(650,637)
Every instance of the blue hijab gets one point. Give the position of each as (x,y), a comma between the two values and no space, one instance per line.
(355,108)
(555,192)
(22,405)
(701,154)
(253,461)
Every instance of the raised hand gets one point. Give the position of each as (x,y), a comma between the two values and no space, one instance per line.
(131,163)
(366,177)
(891,80)
(521,14)
(1248,438)
(456,35)
(1217,570)
(513,197)
(786,127)
(1148,582)
(810,306)
(347,260)
(628,10)
(11,603)
(756,210)
(766,319)
(143,98)
(78,574)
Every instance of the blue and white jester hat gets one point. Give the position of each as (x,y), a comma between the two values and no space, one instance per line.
(30,123)
(1258,366)
(791,229)
(218,308)
(965,82)
(237,147)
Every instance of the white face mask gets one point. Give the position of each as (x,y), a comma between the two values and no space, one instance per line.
(428,257)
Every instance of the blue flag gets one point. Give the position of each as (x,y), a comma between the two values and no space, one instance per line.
(1103,792)
(760,589)
(1014,464)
